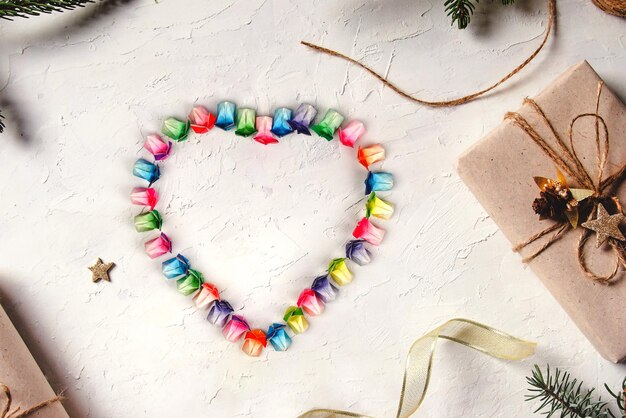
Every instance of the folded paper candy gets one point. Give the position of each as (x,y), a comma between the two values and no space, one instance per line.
(499,170)
(20,372)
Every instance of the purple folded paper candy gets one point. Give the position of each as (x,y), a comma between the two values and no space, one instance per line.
(357,252)
(302,118)
(219,313)
(324,289)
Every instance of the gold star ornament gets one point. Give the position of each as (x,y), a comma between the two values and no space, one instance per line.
(606,226)
(100,271)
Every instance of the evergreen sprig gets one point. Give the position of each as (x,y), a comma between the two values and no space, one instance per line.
(562,396)
(620,397)
(26,8)
(461,11)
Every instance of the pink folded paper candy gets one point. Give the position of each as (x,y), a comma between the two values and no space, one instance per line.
(20,372)
(499,170)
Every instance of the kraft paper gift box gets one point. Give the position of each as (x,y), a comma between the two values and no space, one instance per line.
(20,372)
(499,170)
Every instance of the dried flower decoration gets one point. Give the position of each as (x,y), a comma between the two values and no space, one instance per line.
(557,200)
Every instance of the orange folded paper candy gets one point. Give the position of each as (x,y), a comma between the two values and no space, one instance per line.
(499,170)
(20,372)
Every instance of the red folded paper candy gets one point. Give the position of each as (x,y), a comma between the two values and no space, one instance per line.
(21,374)
(500,169)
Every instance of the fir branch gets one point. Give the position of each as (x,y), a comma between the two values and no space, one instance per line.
(620,397)
(560,394)
(460,11)
(26,8)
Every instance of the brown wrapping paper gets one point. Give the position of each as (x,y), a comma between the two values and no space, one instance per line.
(20,372)
(499,170)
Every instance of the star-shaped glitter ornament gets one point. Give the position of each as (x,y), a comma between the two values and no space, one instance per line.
(100,271)
(606,226)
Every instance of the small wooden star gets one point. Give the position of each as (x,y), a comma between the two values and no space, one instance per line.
(606,226)
(100,271)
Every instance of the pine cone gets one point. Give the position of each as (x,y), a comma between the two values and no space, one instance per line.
(542,207)
(550,206)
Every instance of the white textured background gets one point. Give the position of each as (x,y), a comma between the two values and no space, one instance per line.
(81,89)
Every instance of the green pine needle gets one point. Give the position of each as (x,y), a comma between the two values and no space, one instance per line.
(460,11)
(26,8)
(562,396)
(620,397)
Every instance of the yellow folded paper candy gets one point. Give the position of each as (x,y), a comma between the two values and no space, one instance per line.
(339,271)
(294,317)
(378,207)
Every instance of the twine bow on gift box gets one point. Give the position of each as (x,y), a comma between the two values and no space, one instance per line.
(596,203)
(16,413)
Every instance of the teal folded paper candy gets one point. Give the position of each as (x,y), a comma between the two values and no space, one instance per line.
(225,115)
(378,182)
(281,126)
(144,169)
(278,337)
(175,267)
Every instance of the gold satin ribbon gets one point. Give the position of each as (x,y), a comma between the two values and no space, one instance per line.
(420,358)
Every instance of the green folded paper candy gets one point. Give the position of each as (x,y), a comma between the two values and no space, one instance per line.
(246,119)
(148,221)
(190,283)
(327,126)
(175,129)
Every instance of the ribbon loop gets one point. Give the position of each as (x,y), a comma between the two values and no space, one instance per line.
(418,368)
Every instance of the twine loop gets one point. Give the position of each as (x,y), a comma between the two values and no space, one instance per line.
(6,411)
(567,160)
(614,7)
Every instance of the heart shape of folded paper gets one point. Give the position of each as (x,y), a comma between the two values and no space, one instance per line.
(266,130)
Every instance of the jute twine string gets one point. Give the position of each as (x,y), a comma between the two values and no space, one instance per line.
(566,159)
(16,413)
(614,7)
(451,102)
